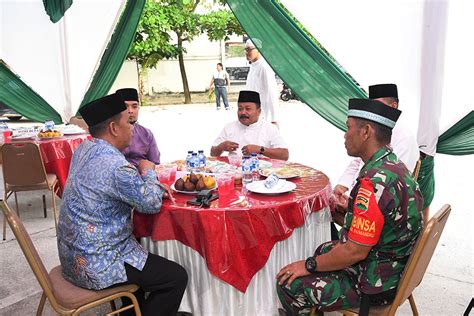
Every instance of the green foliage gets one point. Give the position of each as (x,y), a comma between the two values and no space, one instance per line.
(164,21)
(220,24)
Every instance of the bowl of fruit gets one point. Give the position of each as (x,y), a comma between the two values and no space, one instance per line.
(193,183)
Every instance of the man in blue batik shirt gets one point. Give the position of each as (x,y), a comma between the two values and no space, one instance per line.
(95,242)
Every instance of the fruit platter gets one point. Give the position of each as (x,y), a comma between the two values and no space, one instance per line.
(193,183)
(49,134)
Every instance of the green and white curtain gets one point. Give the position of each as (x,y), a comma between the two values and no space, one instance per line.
(67,52)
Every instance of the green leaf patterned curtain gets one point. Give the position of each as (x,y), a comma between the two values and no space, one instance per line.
(116,51)
(21,98)
(56,8)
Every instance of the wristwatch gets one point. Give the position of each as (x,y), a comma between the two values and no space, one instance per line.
(262,149)
(311,264)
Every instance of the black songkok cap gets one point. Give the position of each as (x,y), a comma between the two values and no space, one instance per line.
(128,94)
(374,111)
(387,90)
(102,109)
(249,96)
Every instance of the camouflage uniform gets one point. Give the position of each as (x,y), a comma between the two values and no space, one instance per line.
(385,212)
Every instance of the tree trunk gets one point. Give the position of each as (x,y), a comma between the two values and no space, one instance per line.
(184,78)
(141,87)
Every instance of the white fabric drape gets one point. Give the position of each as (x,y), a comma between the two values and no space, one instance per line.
(57,60)
(207,295)
(402,42)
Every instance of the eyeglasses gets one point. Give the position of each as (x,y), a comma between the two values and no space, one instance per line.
(249,49)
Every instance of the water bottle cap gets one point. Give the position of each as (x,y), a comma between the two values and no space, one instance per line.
(194,154)
(201,151)
(254,154)
(190,151)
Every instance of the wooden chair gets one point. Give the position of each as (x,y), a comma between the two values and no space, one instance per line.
(416,266)
(79,121)
(416,171)
(64,297)
(23,170)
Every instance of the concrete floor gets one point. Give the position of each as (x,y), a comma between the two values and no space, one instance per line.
(448,285)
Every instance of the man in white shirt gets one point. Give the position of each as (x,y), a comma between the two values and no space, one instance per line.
(250,134)
(261,78)
(219,80)
(403,143)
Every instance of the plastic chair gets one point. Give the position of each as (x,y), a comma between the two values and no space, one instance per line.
(416,266)
(65,298)
(23,170)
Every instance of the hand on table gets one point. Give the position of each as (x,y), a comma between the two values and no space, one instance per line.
(292,271)
(167,194)
(228,146)
(249,149)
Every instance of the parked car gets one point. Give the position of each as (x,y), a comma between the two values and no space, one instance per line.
(5,111)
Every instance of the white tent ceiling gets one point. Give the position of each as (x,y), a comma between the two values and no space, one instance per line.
(57,60)
(422,46)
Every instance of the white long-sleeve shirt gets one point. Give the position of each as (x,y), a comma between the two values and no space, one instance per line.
(261,79)
(404,146)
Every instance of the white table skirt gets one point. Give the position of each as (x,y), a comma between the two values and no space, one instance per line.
(208,295)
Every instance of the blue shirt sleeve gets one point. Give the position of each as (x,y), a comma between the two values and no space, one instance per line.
(143,193)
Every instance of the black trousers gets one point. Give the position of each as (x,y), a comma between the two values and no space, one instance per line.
(165,282)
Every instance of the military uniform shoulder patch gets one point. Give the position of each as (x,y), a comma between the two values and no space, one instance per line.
(368,220)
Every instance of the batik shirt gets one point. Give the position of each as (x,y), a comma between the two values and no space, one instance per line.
(385,212)
(142,146)
(95,230)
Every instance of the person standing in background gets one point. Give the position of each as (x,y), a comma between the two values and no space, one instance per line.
(220,80)
(261,78)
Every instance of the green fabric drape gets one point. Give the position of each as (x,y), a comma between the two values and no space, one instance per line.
(305,67)
(56,8)
(459,138)
(116,51)
(426,180)
(21,98)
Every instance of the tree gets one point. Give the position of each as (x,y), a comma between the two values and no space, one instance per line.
(162,18)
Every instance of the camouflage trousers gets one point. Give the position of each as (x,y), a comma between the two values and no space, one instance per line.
(327,291)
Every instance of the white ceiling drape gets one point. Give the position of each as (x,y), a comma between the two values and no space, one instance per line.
(57,60)
(423,46)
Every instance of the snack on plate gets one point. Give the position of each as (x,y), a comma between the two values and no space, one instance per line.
(195,182)
(50,133)
(282,173)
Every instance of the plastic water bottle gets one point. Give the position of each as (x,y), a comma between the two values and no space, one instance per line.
(194,163)
(3,128)
(271,181)
(255,167)
(49,125)
(188,159)
(246,170)
(202,160)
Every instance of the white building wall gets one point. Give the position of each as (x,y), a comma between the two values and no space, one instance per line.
(200,63)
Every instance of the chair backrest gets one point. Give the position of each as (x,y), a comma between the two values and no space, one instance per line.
(421,255)
(79,121)
(22,164)
(416,171)
(29,251)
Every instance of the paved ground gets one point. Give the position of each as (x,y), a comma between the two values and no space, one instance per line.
(448,285)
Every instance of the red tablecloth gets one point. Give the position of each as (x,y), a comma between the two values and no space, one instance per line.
(236,234)
(57,154)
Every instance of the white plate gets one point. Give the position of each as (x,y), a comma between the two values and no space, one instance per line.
(282,173)
(283,186)
(263,164)
(189,192)
(73,132)
(22,137)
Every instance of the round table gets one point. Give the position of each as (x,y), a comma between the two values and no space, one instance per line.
(236,235)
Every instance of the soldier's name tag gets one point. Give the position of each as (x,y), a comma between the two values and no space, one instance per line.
(367,222)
